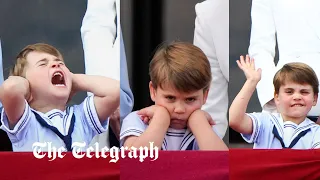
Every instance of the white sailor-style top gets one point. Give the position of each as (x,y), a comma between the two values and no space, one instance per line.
(271,132)
(78,123)
(175,139)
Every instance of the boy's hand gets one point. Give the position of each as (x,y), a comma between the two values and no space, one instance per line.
(74,88)
(25,83)
(146,114)
(200,114)
(248,67)
(209,118)
(203,132)
(13,93)
(115,123)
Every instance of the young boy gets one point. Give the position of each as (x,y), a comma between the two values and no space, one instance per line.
(35,95)
(180,78)
(296,91)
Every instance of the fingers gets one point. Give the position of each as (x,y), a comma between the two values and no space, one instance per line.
(246,62)
(209,118)
(145,119)
(253,64)
(146,114)
(144,111)
(211,122)
(242,60)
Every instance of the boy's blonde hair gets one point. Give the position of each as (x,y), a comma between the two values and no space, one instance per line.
(298,73)
(182,65)
(21,61)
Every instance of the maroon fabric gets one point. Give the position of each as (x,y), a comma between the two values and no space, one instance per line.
(25,166)
(276,164)
(178,165)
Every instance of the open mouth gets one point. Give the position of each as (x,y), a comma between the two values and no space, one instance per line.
(297,105)
(58,79)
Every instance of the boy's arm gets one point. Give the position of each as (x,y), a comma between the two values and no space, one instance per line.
(206,138)
(106,92)
(158,126)
(238,120)
(13,93)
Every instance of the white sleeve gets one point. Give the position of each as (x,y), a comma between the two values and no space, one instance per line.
(262,47)
(132,125)
(316,140)
(21,128)
(256,129)
(213,41)
(91,117)
(98,32)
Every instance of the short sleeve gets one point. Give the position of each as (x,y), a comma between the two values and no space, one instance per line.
(257,125)
(21,128)
(88,110)
(316,139)
(132,125)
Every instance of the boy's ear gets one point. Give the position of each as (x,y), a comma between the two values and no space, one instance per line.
(205,96)
(276,98)
(315,100)
(152,91)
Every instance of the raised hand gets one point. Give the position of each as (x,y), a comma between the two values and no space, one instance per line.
(248,67)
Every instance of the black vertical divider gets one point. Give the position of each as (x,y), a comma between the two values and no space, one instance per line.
(147,35)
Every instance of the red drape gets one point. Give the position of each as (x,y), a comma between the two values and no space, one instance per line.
(25,166)
(274,164)
(178,165)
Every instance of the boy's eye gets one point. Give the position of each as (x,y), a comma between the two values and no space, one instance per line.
(305,92)
(288,92)
(42,64)
(171,98)
(190,99)
(61,63)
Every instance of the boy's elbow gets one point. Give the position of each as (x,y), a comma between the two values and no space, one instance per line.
(114,96)
(231,119)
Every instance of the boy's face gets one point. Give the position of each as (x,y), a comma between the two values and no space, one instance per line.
(48,76)
(180,105)
(294,100)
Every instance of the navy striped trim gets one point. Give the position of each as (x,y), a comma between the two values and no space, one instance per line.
(55,114)
(315,145)
(24,120)
(297,131)
(182,133)
(165,143)
(297,138)
(185,140)
(66,118)
(306,126)
(191,145)
(130,130)
(256,129)
(290,125)
(277,124)
(175,135)
(91,116)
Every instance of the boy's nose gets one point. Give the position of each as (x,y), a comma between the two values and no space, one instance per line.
(55,64)
(179,108)
(297,96)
